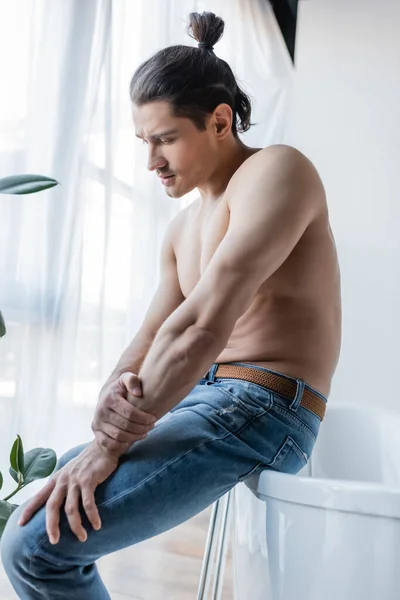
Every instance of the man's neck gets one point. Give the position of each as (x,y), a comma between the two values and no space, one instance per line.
(232,156)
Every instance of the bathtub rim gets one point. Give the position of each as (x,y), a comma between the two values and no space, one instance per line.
(358,497)
(371,499)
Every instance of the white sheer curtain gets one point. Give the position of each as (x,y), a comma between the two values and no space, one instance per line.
(79,263)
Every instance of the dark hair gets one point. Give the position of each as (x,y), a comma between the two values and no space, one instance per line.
(194,80)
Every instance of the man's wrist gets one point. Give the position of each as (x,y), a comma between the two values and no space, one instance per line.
(111,450)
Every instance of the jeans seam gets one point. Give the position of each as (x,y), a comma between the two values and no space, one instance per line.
(34,553)
(30,562)
(252,471)
(302,455)
(296,419)
(229,433)
(161,469)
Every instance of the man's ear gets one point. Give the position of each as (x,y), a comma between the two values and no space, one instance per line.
(222,120)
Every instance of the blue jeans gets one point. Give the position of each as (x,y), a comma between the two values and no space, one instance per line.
(223,431)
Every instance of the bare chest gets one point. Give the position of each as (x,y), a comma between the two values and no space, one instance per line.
(200,236)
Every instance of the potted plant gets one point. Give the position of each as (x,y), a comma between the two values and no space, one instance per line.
(39,462)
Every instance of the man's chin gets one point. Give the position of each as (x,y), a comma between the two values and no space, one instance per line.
(174,192)
(178,191)
(171,193)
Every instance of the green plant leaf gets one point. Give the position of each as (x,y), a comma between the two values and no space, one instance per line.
(1,480)
(2,326)
(39,463)
(26,184)
(13,474)
(17,456)
(6,510)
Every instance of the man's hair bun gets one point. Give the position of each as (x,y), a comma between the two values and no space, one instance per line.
(206,28)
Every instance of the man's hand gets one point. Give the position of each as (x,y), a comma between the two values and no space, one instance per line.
(77,479)
(117,422)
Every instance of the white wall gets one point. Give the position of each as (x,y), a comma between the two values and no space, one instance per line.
(345,117)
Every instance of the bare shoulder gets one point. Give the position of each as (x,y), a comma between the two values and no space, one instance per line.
(281,155)
(282,168)
(276,192)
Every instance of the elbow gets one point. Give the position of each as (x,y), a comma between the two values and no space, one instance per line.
(199,335)
(219,328)
(198,341)
(212,338)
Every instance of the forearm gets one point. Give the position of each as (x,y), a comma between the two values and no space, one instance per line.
(131,359)
(174,364)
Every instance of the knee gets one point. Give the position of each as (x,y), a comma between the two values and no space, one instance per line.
(17,544)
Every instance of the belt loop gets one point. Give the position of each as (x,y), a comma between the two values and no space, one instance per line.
(212,371)
(299,394)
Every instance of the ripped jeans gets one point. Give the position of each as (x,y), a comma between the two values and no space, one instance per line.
(222,432)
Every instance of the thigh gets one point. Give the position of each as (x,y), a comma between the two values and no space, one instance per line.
(220,434)
(192,457)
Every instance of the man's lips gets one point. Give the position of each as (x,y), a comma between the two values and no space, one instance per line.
(166,179)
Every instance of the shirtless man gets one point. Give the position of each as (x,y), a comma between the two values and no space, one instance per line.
(237,350)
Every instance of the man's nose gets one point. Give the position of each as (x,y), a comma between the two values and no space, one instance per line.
(155,161)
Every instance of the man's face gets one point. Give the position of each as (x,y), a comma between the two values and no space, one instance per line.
(180,154)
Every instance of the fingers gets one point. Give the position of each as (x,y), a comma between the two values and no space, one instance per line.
(90,507)
(124,424)
(77,479)
(120,435)
(37,502)
(122,401)
(73,494)
(72,512)
(120,413)
(132,383)
(117,422)
(116,433)
(53,511)
(129,411)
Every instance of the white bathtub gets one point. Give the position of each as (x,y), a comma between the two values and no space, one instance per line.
(331,532)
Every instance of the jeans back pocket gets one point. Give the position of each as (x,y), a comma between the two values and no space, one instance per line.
(290,458)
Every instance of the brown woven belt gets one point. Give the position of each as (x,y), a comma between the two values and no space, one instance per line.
(276,383)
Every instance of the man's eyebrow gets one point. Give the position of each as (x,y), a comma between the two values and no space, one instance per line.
(161,134)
